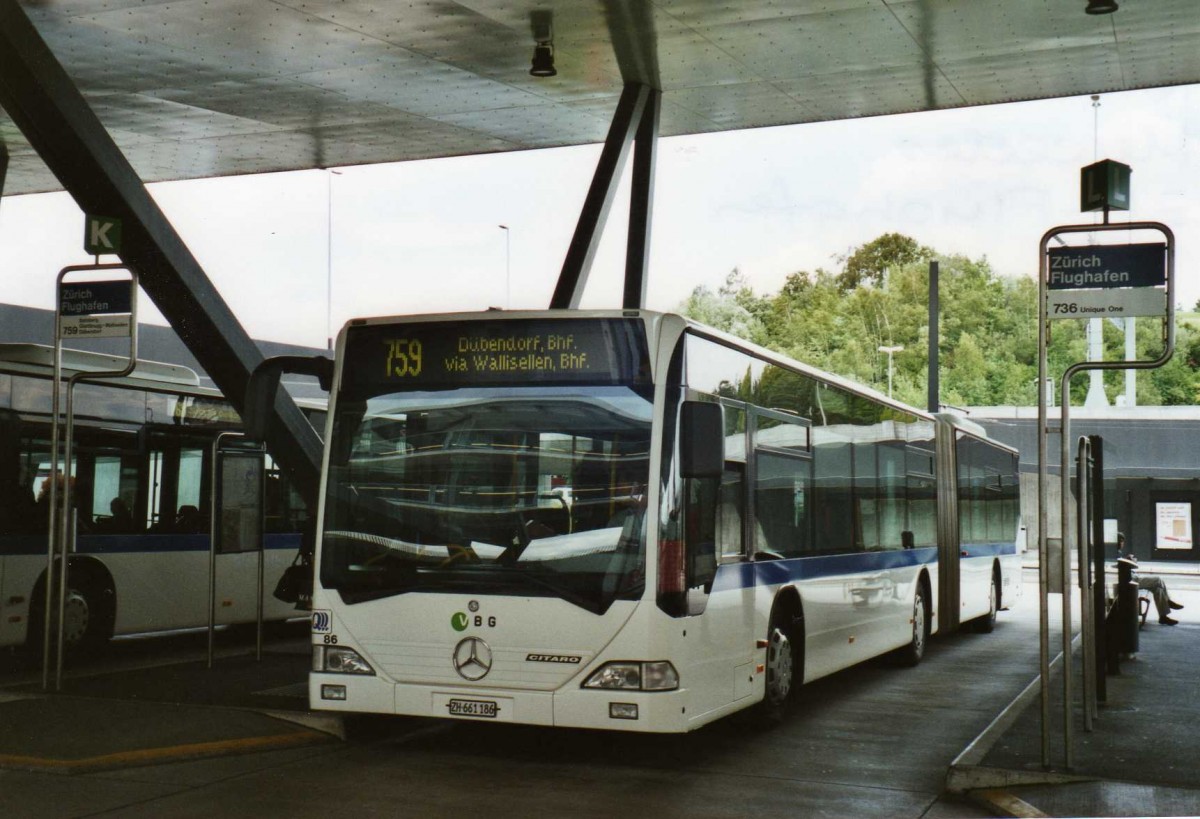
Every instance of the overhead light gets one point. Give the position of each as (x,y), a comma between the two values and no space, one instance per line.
(1101,6)
(543,60)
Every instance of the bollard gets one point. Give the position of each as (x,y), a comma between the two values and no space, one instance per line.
(1127,607)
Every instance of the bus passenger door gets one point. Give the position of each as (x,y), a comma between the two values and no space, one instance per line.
(160,575)
(721,611)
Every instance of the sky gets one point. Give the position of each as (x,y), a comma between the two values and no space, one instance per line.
(421,237)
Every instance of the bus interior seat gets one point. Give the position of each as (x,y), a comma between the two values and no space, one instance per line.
(189,520)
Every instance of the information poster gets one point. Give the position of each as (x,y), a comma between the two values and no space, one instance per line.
(1110,531)
(1174,525)
(240,525)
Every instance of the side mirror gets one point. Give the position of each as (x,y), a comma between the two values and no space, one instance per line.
(264,382)
(701,440)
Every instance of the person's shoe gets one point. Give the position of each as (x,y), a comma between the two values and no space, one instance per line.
(1167,621)
(1174,605)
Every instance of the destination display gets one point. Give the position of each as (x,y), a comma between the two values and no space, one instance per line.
(440,355)
(95,309)
(1112,281)
(1104,266)
(95,298)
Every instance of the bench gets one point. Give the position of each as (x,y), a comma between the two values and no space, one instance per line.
(1143,604)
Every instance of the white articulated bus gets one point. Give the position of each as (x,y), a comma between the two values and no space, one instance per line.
(623,519)
(141,474)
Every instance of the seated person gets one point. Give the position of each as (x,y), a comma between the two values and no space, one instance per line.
(1153,584)
(189,520)
(122,519)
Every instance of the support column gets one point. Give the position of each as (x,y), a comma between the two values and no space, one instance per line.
(645,155)
(578,263)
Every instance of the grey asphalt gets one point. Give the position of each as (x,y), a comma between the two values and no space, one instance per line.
(175,739)
(1142,756)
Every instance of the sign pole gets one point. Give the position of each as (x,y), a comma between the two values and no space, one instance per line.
(78,314)
(1043,545)
(1112,280)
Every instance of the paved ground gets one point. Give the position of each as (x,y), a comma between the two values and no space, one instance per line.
(873,741)
(1142,757)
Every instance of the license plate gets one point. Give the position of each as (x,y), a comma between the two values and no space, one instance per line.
(473,708)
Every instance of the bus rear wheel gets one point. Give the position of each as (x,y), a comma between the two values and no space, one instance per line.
(987,623)
(912,653)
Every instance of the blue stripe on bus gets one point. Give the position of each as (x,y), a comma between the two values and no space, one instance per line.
(774,572)
(120,544)
(989,549)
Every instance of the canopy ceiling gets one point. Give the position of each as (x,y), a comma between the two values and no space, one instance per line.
(200,88)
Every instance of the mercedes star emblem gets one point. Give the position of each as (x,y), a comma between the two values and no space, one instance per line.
(472,658)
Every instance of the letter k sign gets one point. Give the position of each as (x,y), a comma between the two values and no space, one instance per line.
(102,234)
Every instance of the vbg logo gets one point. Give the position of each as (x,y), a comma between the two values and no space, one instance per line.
(322,621)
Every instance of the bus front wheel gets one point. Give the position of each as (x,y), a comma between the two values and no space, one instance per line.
(78,616)
(85,624)
(782,667)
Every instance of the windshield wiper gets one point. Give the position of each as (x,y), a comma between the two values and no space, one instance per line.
(490,576)
(595,606)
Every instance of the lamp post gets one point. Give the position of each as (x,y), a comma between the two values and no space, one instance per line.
(329,258)
(890,350)
(507,276)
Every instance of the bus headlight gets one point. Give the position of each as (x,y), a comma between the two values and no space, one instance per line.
(339,660)
(631,676)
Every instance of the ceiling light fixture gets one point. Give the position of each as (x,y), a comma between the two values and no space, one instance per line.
(543,60)
(541,26)
(1101,6)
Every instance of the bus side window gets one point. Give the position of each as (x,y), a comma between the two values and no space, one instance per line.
(108,480)
(781,500)
(701,461)
(702,529)
(730,533)
(17,506)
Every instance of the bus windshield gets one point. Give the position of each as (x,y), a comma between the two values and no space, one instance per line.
(531,491)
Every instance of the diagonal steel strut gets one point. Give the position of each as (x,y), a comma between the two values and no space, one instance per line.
(621,134)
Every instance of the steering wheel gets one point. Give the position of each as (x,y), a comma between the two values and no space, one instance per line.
(520,531)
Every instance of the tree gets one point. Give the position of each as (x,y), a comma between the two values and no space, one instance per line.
(867,264)
(733,308)
(988,329)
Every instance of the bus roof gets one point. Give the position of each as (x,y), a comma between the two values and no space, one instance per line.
(494,314)
(38,359)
